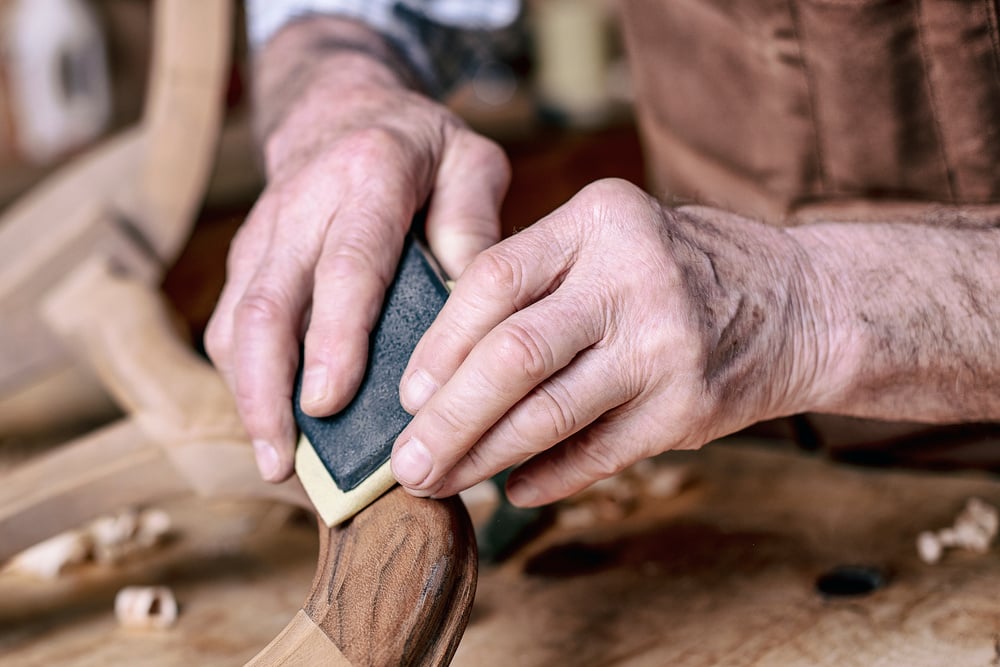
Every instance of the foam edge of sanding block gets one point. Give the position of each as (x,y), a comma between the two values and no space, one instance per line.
(333,505)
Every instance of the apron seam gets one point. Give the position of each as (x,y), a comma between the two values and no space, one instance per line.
(818,152)
(991,20)
(932,98)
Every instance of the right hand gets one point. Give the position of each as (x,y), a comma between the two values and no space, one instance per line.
(354,157)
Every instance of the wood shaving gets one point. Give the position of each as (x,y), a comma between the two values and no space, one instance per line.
(48,559)
(975,529)
(117,537)
(617,497)
(107,540)
(146,607)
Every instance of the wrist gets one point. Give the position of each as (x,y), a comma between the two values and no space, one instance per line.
(771,313)
(831,348)
(320,61)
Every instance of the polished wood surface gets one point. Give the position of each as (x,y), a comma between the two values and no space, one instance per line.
(395,585)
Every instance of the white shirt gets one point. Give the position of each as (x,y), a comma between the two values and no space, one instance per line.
(440,38)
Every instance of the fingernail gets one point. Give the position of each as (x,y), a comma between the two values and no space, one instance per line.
(411,463)
(521,492)
(314,384)
(267,459)
(417,390)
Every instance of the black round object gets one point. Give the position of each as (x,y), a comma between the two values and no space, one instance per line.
(850,581)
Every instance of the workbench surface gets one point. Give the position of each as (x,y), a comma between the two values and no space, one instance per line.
(722,574)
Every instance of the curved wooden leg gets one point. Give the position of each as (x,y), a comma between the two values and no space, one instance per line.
(394,586)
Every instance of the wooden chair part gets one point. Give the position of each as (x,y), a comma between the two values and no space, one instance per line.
(394,586)
(132,199)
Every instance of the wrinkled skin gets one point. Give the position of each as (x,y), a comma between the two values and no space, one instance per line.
(612,330)
(606,333)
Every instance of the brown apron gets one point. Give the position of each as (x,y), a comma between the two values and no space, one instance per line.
(799,110)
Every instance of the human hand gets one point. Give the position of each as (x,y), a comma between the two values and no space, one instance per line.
(352,156)
(612,330)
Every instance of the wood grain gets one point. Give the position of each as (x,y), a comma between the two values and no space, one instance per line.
(395,584)
(301,643)
(725,574)
(722,574)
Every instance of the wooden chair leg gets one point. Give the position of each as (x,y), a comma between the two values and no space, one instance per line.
(394,586)
(131,200)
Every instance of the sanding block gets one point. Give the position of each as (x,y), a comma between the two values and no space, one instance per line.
(343,460)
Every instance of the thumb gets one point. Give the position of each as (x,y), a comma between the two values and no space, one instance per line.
(464,214)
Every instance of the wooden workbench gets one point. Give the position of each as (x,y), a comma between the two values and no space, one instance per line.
(722,574)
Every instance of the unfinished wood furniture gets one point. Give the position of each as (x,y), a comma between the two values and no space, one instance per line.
(131,200)
(80,259)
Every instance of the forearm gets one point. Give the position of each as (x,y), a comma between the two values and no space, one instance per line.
(907,319)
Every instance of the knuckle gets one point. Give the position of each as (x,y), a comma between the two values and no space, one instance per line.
(478,461)
(523,350)
(490,155)
(376,149)
(371,143)
(370,150)
(559,415)
(615,199)
(498,271)
(448,424)
(600,460)
(259,308)
(546,421)
(613,187)
(355,255)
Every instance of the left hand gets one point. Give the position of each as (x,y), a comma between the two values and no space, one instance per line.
(612,330)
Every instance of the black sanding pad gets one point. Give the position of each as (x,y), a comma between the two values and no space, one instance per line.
(343,460)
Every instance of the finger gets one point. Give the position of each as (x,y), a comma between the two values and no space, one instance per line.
(351,279)
(558,408)
(246,251)
(464,214)
(510,361)
(357,265)
(599,451)
(500,281)
(267,320)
